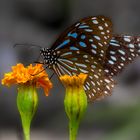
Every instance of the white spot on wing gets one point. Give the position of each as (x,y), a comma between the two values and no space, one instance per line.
(95,21)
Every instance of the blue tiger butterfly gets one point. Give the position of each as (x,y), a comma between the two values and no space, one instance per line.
(89,46)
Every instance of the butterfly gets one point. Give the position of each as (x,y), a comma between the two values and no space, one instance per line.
(89,46)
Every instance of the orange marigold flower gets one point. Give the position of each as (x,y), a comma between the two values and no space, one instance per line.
(75,80)
(28,75)
(75,101)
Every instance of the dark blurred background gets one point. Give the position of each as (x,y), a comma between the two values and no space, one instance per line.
(40,22)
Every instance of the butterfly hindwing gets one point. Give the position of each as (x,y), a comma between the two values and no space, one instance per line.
(97,84)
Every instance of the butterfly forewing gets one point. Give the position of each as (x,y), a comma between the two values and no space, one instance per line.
(121,51)
(90,35)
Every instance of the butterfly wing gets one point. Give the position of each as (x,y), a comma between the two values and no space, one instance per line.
(82,48)
(121,51)
(90,35)
(97,84)
(88,47)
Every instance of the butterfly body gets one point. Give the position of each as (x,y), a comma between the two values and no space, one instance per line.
(90,47)
(49,56)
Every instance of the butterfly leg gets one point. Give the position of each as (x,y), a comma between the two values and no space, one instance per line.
(51,76)
(37,62)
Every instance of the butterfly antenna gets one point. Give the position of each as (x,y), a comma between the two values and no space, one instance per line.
(25,44)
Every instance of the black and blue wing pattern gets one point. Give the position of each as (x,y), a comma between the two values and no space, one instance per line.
(88,46)
(122,50)
(82,48)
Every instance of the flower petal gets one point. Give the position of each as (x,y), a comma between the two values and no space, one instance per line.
(31,74)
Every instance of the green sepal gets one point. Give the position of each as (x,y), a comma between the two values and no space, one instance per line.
(27,102)
(75,106)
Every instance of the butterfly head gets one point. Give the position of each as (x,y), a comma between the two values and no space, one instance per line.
(49,56)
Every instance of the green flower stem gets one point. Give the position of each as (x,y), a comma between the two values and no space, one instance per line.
(75,105)
(26,127)
(73,129)
(27,102)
